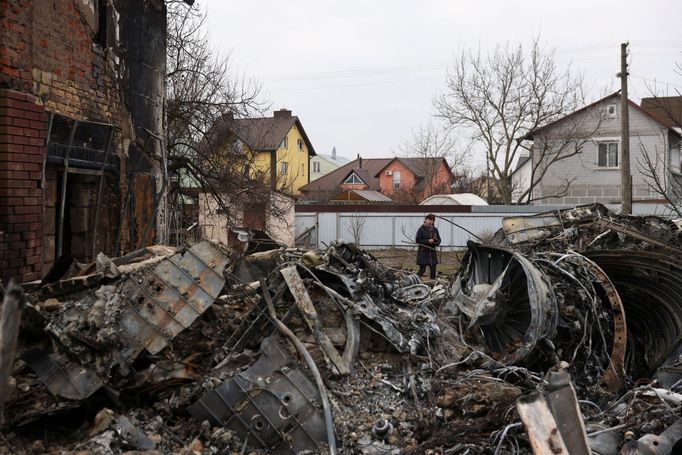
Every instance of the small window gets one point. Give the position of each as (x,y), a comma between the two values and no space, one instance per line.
(316,166)
(610,111)
(302,169)
(299,143)
(283,168)
(353,179)
(607,154)
(285,143)
(396,179)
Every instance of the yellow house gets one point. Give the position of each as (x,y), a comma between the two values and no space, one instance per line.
(280,148)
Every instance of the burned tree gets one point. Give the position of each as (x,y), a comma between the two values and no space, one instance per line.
(500,97)
(202,90)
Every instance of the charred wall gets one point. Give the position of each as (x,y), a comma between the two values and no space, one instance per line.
(99,61)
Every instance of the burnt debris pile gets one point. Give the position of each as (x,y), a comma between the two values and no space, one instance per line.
(560,336)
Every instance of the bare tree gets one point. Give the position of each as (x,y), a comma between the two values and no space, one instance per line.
(661,168)
(204,96)
(356,226)
(433,144)
(501,97)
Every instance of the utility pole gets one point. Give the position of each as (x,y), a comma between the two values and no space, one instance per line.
(626,178)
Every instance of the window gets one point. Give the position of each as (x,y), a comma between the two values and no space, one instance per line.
(353,179)
(303,169)
(396,179)
(316,166)
(283,168)
(285,143)
(607,154)
(611,111)
(299,143)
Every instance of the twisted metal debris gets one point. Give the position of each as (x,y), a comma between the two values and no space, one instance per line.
(561,336)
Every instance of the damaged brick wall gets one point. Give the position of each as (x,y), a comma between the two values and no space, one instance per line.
(22,136)
(88,60)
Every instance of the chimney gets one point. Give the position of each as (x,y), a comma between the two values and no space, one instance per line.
(333,153)
(282,113)
(359,161)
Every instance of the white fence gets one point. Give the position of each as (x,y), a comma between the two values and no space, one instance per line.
(371,230)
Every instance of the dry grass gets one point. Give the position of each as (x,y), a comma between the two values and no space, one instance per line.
(406,259)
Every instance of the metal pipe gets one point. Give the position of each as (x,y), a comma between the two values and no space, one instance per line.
(99,192)
(331,439)
(62,205)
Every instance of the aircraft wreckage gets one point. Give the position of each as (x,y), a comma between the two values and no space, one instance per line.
(562,335)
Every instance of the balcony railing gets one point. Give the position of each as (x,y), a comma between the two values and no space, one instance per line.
(82,157)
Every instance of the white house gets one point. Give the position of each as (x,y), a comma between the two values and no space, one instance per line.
(577,159)
(322,164)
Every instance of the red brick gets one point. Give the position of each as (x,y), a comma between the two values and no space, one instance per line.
(27,210)
(29,235)
(17,95)
(11,130)
(25,270)
(34,216)
(32,167)
(32,260)
(36,125)
(34,243)
(25,140)
(12,148)
(21,122)
(34,276)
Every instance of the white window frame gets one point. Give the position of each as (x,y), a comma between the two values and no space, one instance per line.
(299,143)
(316,166)
(351,177)
(396,179)
(283,168)
(607,141)
(611,111)
(285,143)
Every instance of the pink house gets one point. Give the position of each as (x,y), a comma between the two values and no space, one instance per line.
(415,179)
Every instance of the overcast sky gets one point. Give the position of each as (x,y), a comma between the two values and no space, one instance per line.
(361,75)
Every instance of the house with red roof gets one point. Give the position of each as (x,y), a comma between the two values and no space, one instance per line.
(401,179)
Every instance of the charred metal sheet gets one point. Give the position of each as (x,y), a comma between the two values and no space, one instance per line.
(614,376)
(169,298)
(272,405)
(650,285)
(62,377)
(662,444)
(670,372)
(553,420)
(562,401)
(307,309)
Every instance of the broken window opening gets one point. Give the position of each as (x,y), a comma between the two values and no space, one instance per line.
(88,148)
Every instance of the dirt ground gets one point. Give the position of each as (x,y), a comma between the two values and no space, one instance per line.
(401,258)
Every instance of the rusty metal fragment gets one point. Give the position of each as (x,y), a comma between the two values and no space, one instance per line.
(169,298)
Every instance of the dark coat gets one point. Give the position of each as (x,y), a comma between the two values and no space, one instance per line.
(426,252)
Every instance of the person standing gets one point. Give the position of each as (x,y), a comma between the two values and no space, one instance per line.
(428,239)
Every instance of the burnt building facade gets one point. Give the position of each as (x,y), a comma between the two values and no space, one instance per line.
(81,119)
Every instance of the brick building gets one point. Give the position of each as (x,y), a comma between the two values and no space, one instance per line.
(81,112)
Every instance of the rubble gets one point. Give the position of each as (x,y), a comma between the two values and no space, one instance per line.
(561,336)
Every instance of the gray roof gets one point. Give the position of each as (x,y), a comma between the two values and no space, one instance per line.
(372,195)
